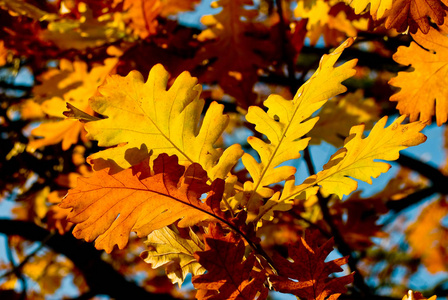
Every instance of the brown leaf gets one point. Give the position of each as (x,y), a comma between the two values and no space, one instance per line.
(415,14)
(308,275)
(227,271)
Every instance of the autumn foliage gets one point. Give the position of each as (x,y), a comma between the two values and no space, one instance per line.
(143,149)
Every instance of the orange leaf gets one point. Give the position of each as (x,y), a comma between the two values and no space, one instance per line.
(311,271)
(428,237)
(424,90)
(108,207)
(226,270)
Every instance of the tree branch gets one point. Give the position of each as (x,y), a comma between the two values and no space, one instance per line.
(438,179)
(101,277)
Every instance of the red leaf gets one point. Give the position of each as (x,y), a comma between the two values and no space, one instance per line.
(311,271)
(226,270)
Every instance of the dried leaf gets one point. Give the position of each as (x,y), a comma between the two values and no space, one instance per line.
(227,271)
(416,14)
(307,275)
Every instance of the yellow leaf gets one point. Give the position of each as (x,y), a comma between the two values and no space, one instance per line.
(424,89)
(377,8)
(285,123)
(87,31)
(22,8)
(358,158)
(73,83)
(169,249)
(340,114)
(330,20)
(165,121)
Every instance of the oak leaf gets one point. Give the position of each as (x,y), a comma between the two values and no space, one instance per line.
(85,31)
(424,88)
(142,16)
(108,207)
(338,115)
(167,248)
(227,271)
(307,275)
(165,121)
(416,14)
(358,158)
(231,53)
(285,123)
(334,21)
(404,14)
(377,8)
(71,83)
(428,237)
(356,219)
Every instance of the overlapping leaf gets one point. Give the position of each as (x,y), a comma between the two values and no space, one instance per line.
(231,54)
(307,276)
(424,89)
(167,248)
(404,14)
(108,207)
(330,19)
(285,123)
(72,83)
(415,14)
(165,121)
(340,114)
(377,7)
(227,271)
(358,158)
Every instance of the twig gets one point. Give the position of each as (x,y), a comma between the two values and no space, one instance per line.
(343,247)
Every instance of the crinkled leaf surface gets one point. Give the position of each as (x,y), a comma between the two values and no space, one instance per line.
(108,207)
(416,14)
(164,121)
(285,123)
(424,89)
(227,271)
(307,276)
(167,248)
(358,158)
